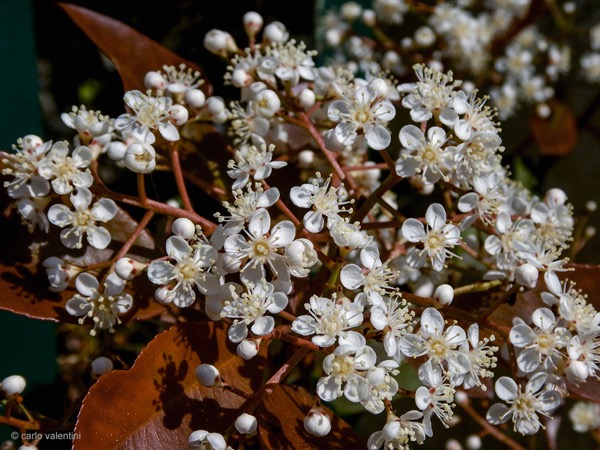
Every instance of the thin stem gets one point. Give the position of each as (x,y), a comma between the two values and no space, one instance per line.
(141,187)
(364,209)
(179,180)
(134,235)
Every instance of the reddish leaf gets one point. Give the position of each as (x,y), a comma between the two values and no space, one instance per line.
(159,402)
(281,424)
(132,53)
(556,135)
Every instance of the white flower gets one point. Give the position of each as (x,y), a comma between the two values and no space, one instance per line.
(83,220)
(66,172)
(59,273)
(374,279)
(504,245)
(431,95)
(300,256)
(425,156)
(102,307)
(190,267)
(149,113)
(349,235)
(481,356)
(328,319)
(435,240)
(362,109)
(398,432)
(524,405)
(345,369)
(394,318)
(439,345)
(252,161)
(585,416)
(263,242)
(250,307)
(382,386)
(140,157)
(435,397)
(542,345)
(477,117)
(88,124)
(326,202)
(244,205)
(22,166)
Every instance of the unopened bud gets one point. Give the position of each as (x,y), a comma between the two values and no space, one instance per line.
(453,444)
(240,78)
(194,98)
(253,22)
(116,150)
(591,205)
(275,32)
(184,228)
(317,422)
(526,275)
(154,80)
(306,98)
(163,295)
(473,442)
(246,424)
(179,114)
(208,375)
(443,295)
(101,365)
(248,348)
(219,42)
(556,197)
(13,385)
(306,158)
(369,17)
(128,269)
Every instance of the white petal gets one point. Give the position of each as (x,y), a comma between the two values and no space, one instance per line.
(59,215)
(413,230)
(411,137)
(168,131)
(283,234)
(237,332)
(178,248)
(521,335)
(468,202)
(498,414)
(113,285)
(98,237)
(378,137)
(301,197)
(369,257)
(263,325)
(304,325)
(352,277)
(313,221)
(87,284)
(78,306)
(432,323)
(259,223)
(435,216)
(506,388)
(104,210)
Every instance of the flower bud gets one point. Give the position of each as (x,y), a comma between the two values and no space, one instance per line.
(461,397)
(179,114)
(13,385)
(246,424)
(526,275)
(240,78)
(31,142)
(317,422)
(154,80)
(194,98)
(577,372)
(253,22)
(453,444)
(306,159)
(101,365)
(443,295)
(248,348)
(58,273)
(333,37)
(184,228)
(556,197)
(128,269)
(208,375)
(219,42)
(473,442)
(116,150)
(275,32)
(306,98)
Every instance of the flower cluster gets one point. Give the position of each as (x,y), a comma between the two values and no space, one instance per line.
(312,245)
